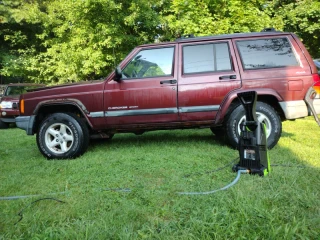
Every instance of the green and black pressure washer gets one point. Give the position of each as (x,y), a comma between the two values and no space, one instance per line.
(252,144)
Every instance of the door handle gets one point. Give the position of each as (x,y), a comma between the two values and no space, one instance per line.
(168,81)
(228,77)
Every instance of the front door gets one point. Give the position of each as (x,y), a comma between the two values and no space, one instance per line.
(147,92)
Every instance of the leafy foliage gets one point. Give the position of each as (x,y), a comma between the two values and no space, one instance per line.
(216,17)
(302,17)
(63,41)
(78,39)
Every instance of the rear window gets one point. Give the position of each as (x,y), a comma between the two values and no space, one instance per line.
(266,53)
(206,58)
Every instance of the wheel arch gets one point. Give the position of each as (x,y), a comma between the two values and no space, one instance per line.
(45,108)
(230,102)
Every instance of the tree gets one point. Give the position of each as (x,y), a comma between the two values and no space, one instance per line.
(82,40)
(208,17)
(58,41)
(17,38)
(301,17)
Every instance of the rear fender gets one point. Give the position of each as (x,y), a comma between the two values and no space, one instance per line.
(231,101)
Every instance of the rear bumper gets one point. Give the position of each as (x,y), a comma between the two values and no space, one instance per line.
(26,123)
(294,109)
(301,108)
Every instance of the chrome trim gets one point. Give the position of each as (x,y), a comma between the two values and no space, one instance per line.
(208,108)
(140,112)
(96,114)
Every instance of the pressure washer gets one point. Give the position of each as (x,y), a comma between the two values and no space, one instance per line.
(252,145)
(253,149)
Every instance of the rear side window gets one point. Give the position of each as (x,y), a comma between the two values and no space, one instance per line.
(266,53)
(206,58)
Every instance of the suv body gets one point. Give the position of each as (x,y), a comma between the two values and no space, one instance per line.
(9,109)
(190,83)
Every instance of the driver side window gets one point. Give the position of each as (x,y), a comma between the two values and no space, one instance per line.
(150,63)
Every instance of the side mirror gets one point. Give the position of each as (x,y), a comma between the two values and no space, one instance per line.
(118,74)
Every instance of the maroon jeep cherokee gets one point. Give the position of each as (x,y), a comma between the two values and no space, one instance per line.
(190,83)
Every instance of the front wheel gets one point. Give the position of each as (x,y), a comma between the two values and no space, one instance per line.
(62,136)
(265,114)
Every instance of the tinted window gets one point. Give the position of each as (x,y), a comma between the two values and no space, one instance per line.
(266,53)
(17,90)
(150,63)
(206,58)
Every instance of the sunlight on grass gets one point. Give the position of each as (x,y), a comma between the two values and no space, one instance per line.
(127,188)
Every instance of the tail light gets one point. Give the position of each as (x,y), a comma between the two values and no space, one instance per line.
(316,85)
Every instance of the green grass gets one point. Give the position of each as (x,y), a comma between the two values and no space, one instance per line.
(283,205)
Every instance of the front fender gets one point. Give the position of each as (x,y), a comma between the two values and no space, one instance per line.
(66,101)
(63,101)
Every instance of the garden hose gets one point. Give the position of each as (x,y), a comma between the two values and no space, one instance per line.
(220,189)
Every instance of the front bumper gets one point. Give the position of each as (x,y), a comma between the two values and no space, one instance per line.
(26,123)
(8,120)
(8,115)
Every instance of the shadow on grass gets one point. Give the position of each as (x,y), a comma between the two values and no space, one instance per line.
(162,137)
(287,134)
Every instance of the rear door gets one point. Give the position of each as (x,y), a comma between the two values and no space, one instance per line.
(208,72)
(147,93)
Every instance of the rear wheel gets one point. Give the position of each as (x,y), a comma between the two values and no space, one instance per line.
(265,114)
(62,136)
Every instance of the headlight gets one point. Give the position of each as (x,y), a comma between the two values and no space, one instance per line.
(5,104)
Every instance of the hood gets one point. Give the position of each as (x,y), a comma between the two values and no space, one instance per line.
(66,85)
(12,98)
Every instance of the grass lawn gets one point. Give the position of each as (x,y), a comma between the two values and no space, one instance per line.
(127,188)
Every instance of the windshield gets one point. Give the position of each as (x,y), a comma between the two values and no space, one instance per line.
(18,90)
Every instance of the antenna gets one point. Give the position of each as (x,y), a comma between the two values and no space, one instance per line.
(114,57)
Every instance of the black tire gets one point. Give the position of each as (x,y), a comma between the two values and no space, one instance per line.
(265,113)
(3,125)
(62,136)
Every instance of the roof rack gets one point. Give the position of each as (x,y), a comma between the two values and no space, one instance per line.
(186,36)
(271,29)
(191,37)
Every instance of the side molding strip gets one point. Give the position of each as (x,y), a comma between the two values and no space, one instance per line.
(120,113)
(140,112)
(208,108)
(96,114)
